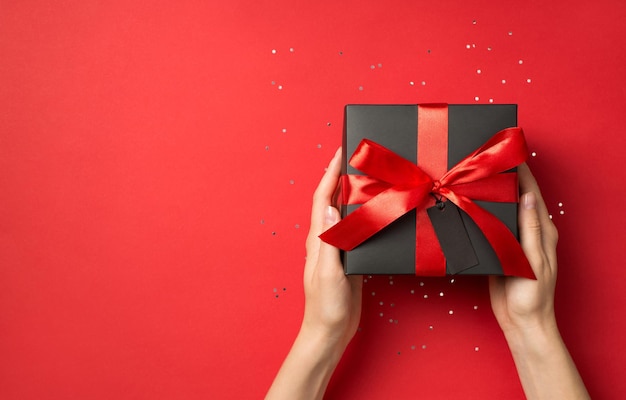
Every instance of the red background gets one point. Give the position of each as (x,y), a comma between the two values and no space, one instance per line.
(157,161)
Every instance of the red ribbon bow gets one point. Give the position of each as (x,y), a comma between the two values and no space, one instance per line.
(394,186)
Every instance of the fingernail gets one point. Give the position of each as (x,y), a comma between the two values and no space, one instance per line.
(530,201)
(330,217)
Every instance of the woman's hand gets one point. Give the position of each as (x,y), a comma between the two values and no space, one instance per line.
(524,308)
(332,305)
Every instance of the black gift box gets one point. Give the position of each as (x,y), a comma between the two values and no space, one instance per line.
(392,250)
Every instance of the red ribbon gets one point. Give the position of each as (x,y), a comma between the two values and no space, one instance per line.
(394,186)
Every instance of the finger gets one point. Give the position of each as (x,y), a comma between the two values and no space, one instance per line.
(324,193)
(528,183)
(329,254)
(530,232)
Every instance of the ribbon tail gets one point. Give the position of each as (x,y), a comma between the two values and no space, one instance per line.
(505,245)
(374,215)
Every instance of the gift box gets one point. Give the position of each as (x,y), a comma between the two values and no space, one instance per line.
(430,190)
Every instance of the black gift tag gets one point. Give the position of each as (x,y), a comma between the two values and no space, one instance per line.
(452,236)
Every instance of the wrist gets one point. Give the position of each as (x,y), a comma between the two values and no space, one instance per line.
(326,346)
(533,339)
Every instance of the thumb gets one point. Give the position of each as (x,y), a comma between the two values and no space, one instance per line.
(329,253)
(530,230)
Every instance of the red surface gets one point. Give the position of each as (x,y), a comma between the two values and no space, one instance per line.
(145,230)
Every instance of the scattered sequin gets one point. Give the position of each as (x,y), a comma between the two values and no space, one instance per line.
(413,347)
(503,81)
(280,87)
(360,87)
(412,291)
(560,204)
(421,283)
(273,51)
(528,80)
(476,348)
(440,294)
(521,62)
(275,290)
(491,100)
(392,304)
(478,71)
(476,98)
(381,303)
(372,66)
(488,48)
(381,314)
(273,233)
(291,182)
(284,130)
(273,82)
(364,280)
(412,83)
(550,216)
(297,226)
(328,124)
(380,65)
(510,33)
(391,282)
(391,320)
(561,212)
(423,347)
(425,296)
(450,312)
(423,83)
(373,293)
(474,22)
(452,280)
(291,49)
(262,221)
(467,46)
(534,154)
(475,307)
(267,148)
(430,327)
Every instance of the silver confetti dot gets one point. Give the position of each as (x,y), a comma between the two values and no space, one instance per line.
(373,293)
(262,221)
(491,100)
(430,327)
(550,216)
(528,80)
(372,66)
(412,83)
(391,282)
(390,320)
(488,48)
(413,347)
(291,182)
(423,83)
(561,212)
(319,145)
(291,49)
(284,130)
(360,87)
(521,62)
(534,154)
(273,233)
(503,81)
(364,280)
(474,22)
(297,226)
(475,307)
(423,346)
(380,65)
(476,348)
(381,303)
(560,204)
(440,294)
(392,304)
(421,283)
(452,280)
(273,51)
(273,82)
(267,148)
(510,33)
(369,276)
(280,87)
(476,98)
(425,296)
(412,291)
(328,124)
(381,314)
(467,46)
(450,312)
(478,71)
(275,290)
